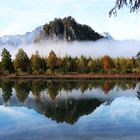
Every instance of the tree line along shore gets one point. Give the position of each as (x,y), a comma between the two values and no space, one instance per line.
(53,66)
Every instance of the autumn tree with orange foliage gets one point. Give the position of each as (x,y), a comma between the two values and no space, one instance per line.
(107,86)
(107,63)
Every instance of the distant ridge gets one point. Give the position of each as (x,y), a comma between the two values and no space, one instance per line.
(16,40)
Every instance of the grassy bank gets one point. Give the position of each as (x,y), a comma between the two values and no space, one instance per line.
(75,76)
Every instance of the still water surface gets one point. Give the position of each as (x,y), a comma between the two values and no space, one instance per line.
(69,110)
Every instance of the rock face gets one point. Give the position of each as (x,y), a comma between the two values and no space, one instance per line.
(66,29)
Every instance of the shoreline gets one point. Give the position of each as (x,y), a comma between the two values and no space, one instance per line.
(76,77)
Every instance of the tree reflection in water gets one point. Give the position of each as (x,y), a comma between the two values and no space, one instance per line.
(46,96)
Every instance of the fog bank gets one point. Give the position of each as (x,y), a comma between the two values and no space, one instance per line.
(113,48)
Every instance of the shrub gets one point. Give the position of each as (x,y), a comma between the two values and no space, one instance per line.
(126,71)
(136,70)
(49,71)
(35,72)
(6,72)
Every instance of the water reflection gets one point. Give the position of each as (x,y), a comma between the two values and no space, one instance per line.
(64,101)
(111,122)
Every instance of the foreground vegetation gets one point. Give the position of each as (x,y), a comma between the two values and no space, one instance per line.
(51,65)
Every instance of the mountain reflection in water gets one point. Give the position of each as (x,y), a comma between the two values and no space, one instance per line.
(69,110)
(117,121)
(63,101)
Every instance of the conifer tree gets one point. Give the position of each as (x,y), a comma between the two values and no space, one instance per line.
(21,62)
(6,61)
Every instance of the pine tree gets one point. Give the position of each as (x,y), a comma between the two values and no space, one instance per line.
(52,61)
(133,5)
(21,62)
(36,62)
(6,61)
(138,59)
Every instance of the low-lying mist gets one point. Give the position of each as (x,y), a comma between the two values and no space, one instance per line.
(112,48)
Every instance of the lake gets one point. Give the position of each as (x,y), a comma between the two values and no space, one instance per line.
(69,110)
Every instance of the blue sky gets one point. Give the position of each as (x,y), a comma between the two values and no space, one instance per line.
(21,16)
